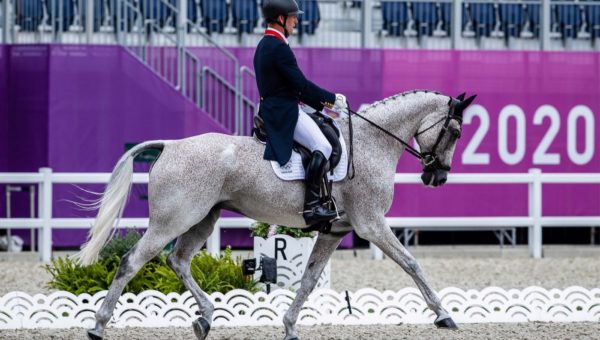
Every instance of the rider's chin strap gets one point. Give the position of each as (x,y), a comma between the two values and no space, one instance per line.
(285,31)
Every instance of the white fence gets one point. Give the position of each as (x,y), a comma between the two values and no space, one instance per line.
(534,221)
(363,307)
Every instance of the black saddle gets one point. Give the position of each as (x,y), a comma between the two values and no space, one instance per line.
(327,127)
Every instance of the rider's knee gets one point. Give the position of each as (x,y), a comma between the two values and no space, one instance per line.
(326,149)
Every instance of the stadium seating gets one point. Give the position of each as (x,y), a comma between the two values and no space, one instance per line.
(215,15)
(567,19)
(245,15)
(424,13)
(395,17)
(593,17)
(28,15)
(309,20)
(482,15)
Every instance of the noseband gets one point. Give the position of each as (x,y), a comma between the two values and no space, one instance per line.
(429,159)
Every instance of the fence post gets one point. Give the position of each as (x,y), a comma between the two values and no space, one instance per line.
(535,212)
(45,214)
(377,253)
(213,243)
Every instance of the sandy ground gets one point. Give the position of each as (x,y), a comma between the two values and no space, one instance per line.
(468,331)
(458,268)
(466,268)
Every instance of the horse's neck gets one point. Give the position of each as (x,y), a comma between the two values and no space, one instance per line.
(400,116)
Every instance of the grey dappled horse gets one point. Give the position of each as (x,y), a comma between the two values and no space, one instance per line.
(194,178)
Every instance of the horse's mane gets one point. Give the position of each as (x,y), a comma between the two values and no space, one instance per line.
(396,96)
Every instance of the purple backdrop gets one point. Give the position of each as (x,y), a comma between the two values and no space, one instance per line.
(74,107)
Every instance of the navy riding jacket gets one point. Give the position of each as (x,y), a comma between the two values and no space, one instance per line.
(282,86)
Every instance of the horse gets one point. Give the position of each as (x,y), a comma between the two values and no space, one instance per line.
(194,178)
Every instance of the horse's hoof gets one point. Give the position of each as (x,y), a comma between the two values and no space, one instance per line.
(93,335)
(446,323)
(201,328)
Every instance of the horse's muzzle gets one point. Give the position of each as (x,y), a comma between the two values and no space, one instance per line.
(434,177)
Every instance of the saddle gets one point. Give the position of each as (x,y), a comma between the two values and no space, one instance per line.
(327,127)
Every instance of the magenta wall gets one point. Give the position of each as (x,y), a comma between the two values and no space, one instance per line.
(73,108)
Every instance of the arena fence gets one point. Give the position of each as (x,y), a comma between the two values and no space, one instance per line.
(534,221)
(324,306)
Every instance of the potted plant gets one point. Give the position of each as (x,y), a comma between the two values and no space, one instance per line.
(291,247)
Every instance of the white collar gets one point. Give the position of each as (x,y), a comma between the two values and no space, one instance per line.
(278,33)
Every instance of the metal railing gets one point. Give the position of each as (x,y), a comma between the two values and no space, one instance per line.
(534,220)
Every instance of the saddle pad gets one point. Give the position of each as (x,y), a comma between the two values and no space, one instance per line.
(294,170)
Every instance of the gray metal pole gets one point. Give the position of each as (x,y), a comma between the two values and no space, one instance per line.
(119,21)
(456,27)
(89,20)
(367,23)
(181,33)
(7,14)
(545,29)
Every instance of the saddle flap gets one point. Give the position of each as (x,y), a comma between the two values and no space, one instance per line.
(326,125)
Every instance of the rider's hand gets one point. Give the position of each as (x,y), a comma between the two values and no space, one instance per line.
(341,104)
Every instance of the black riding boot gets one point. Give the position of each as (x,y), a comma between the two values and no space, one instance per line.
(314,211)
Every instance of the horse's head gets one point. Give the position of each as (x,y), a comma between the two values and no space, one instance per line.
(437,136)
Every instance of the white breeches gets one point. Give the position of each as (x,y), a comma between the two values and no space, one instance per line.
(308,134)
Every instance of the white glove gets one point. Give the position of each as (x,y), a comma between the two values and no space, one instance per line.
(341,104)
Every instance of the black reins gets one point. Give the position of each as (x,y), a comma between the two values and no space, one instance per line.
(428,156)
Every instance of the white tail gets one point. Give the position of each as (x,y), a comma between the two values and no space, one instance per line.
(112,203)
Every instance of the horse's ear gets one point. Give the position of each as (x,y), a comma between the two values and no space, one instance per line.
(468,101)
(461,96)
(464,104)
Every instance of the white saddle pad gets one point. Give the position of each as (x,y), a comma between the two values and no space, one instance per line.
(294,170)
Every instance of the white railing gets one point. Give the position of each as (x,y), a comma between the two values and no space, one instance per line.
(534,221)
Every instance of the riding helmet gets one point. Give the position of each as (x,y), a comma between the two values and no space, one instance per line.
(272,9)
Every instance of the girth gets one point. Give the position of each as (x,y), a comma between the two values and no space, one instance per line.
(327,127)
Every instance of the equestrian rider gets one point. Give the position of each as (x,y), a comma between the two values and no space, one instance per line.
(282,87)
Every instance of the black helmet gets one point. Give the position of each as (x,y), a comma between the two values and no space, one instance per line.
(272,9)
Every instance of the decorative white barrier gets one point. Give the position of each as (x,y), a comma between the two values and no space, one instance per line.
(241,308)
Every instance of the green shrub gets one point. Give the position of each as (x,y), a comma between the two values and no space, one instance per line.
(120,245)
(213,274)
(261,229)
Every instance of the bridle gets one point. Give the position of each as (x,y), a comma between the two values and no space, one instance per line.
(429,159)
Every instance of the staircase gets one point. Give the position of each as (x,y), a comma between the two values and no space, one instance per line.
(156,32)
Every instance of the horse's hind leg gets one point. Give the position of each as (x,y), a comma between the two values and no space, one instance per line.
(145,249)
(382,236)
(324,247)
(179,260)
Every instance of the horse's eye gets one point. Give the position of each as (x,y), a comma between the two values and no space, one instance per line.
(455,133)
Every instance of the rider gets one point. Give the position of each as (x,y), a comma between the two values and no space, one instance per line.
(282,87)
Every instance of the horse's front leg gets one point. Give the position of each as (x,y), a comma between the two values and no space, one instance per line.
(324,247)
(381,235)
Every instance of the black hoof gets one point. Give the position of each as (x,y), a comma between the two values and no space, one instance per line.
(93,335)
(446,323)
(201,328)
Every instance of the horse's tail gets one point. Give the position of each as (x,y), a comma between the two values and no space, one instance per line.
(112,202)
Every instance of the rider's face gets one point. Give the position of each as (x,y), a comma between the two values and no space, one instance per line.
(291,22)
